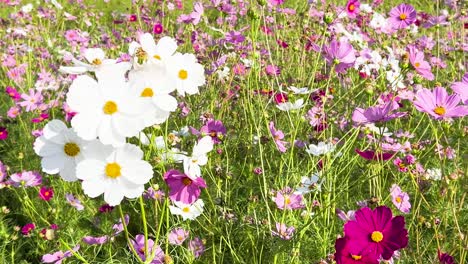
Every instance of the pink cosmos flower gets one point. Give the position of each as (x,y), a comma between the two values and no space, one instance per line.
(286,199)
(58,256)
(13,93)
(374,155)
(197,247)
(348,216)
(74,201)
(278,136)
(379,113)
(3,172)
(340,54)
(213,128)
(275,2)
(119,227)
(402,16)
(28,228)
(352,8)
(177,236)
(461,88)
(90,240)
(379,232)
(400,199)
(46,193)
(31,101)
(402,166)
(143,251)
(421,66)
(351,252)
(197,13)
(183,188)
(272,70)
(438,104)
(26,179)
(3,133)
(283,231)
(42,117)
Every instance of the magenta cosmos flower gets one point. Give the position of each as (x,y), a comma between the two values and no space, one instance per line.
(46,193)
(378,231)
(402,16)
(143,252)
(351,252)
(183,189)
(340,54)
(461,88)
(352,8)
(374,155)
(421,66)
(379,113)
(400,199)
(213,128)
(439,104)
(3,133)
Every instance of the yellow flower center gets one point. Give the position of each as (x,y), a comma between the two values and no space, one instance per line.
(147,92)
(287,200)
(46,194)
(71,149)
(141,54)
(113,170)
(403,16)
(96,62)
(351,7)
(356,257)
(186,209)
(109,108)
(417,64)
(377,236)
(439,110)
(398,199)
(180,238)
(183,74)
(187,181)
(157,57)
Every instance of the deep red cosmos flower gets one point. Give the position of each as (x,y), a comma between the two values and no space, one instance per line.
(374,155)
(378,231)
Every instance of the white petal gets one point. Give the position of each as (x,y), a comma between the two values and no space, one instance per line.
(53,128)
(108,135)
(83,94)
(147,43)
(90,169)
(128,152)
(68,172)
(114,194)
(73,69)
(203,146)
(93,187)
(128,126)
(53,164)
(86,125)
(166,47)
(94,53)
(137,171)
(44,148)
(165,102)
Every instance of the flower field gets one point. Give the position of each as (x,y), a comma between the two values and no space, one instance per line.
(233,131)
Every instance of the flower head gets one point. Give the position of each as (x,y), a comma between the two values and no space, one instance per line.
(438,104)
(277,137)
(379,113)
(400,199)
(287,200)
(351,252)
(421,66)
(340,54)
(402,16)
(183,188)
(28,228)
(461,88)
(46,193)
(26,179)
(177,236)
(197,247)
(187,211)
(378,231)
(3,133)
(74,201)
(352,8)
(283,231)
(144,252)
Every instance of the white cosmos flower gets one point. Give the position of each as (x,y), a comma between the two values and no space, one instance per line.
(187,211)
(187,73)
(303,90)
(116,172)
(288,106)
(434,174)
(309,184)
(150,52)
(199,158)
(96,61)
(153,86)
(61,149)
(321,148)
(106,108)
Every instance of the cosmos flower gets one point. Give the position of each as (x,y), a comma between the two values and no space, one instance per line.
(288,106)
(322,148)
(352,252)
(96,61)
(148,52)
(340,54)
(277,137)
(116,172)
(60,150)
(374,155)
(213,128)
(183,188)
(187,73)
(144,252)
(378,231)
(445,258)
(348,216)
(309,184)
(3,172)
(196,246)
(3,133)
(352,8)
(378,113)
(106,108)
(59,256)
(187,211)
(90,240)
(198,158)
(461,88)
(74,201)
(402,16)
(46,193)
(283,232)
(400,199)
(26,179)
(31,101)
(287,200)
(421,66)
(177,236)
(28,228)
(438,104)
